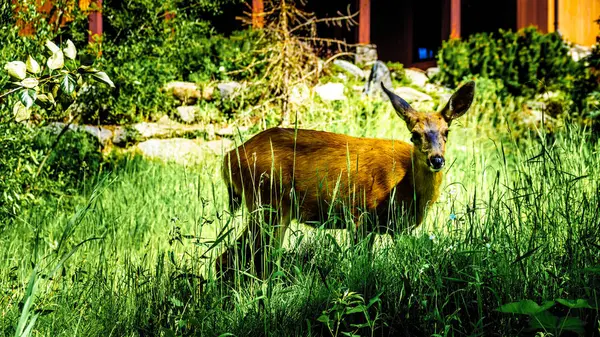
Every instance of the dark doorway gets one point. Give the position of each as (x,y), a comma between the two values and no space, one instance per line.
(427,29)
(410,31)
(391,30)
(487,16)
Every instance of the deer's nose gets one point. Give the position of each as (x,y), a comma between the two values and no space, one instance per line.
(436,162)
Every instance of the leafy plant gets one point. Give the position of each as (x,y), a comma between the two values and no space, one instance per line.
(53,86)
(49,87)
(540,318)
(338,318)
(526,61)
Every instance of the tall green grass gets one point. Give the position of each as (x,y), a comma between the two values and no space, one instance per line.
(516,221)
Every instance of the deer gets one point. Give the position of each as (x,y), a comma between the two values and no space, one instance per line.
(284,174)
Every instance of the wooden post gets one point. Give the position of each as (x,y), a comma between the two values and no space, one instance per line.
(364,22)
(258,9)
(455,19)
(95,22)
(532,12)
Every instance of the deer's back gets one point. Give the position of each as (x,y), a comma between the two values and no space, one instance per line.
(319,167)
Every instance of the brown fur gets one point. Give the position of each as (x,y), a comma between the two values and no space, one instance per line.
(311,175)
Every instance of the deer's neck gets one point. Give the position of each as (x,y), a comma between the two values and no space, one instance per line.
(427,184)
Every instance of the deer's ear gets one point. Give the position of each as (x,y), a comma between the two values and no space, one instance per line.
(460,102)
(403,109)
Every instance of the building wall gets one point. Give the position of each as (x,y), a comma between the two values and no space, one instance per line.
(576,20)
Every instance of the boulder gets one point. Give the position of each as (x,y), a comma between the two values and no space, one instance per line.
(412,95)
(147,130)
(430,72)
(124,135)
(416,76)
(187,92)
(300,94)
(331,91)
(379,74)
(578,52)
(350,68)
(227,89)
(366,54)
(219,147)
(187,113)
(104,135)
(231,131)
(178,150)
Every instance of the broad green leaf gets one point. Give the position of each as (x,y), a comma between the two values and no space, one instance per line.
(70,50)
(53,47)
(87,69)
(67,85)
(102,77)
(20,112)
(359,308)
(32,65)
(30,82)
(54,90)
(572,324)
(578,303)
(323,319)
(544,320)
(43,98)
(547,321)
(527,307)
(16,69)
(56,61)
(26,99)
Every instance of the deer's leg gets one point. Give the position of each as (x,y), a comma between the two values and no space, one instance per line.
(267,234)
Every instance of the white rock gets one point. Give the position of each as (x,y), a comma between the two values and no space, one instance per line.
(578,52)
(412,95)
(219,147)
(187,113)
(350,68)
(184,90)
(231,130)
(228,88)
(417,77)
(179,150)
(331,91)
(300,94)
(432,71)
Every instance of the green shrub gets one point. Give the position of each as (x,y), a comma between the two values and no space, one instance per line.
(18,166)
(30,165)
(76,157)
(527,61)
(586,90)
(179,48)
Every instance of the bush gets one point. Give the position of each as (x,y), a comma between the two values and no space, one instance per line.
(76,157)
(47,87)
(586,91)
(527,61)
(18,166)
(172,44)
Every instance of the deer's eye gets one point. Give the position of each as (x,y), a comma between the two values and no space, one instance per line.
(416,137)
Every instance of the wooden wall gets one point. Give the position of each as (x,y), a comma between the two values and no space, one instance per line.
(576,20)
(533,12)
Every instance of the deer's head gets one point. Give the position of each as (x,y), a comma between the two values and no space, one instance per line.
(430,130)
